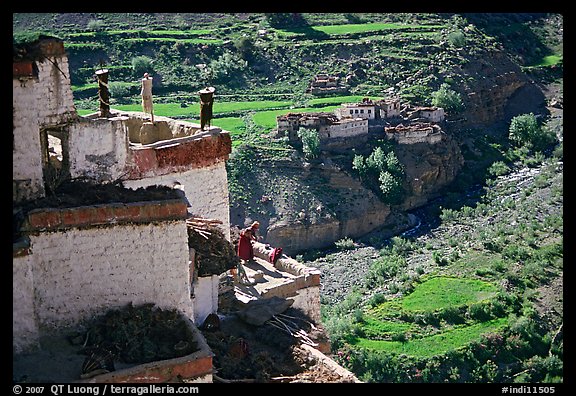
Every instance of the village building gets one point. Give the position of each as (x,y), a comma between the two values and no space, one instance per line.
(429,113)
(389,108)
(324,84)
(328,125)
(365,109)
(72,262)
(358,120)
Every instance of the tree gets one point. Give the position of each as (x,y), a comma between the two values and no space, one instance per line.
(525,131)
(382,172)
(141,64)
(284,19)
(245,47)
(310,142)
(448,99)
(225,68)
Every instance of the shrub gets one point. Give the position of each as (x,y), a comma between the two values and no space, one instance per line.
(525,131)
(448,99)
(345,244)
(376,299)
(498,168)
(95,25)
(141,64)
(382,172)
(480,312)
(310,142)
(225,68)
(457,39)
(120,90)
(439,259)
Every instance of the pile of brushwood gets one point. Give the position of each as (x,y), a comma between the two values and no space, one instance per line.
(214,254)
(135,335)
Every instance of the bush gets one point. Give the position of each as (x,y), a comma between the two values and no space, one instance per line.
(345,244)
(439,259)
(480,312)
(141,64)
(448,99)
(95,25)
(382,172)
(498,168)
(310,142)
(119,90)
(384,268)
(525,131)
(457,39)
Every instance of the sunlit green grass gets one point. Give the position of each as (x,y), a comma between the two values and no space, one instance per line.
(434,294)
(444,292)
(175,40)
(370,27)
(193,111)
(374,328)
(548,61)
(436,344)
(235,125)
(437,293)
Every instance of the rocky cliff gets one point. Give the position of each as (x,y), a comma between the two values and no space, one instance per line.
(428,168)
(492,86)
(303,206)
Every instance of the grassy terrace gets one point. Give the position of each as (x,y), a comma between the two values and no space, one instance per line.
(437,344)
(549,60)
(148,33)
(174,40)
(392,327)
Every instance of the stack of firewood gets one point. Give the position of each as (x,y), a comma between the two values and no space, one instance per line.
(202,226)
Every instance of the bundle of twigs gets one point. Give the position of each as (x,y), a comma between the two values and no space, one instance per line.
(201,225)
(287,324)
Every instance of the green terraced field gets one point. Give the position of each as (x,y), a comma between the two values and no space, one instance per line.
(382,329)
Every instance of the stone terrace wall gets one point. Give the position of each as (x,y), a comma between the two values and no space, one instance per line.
(83,261)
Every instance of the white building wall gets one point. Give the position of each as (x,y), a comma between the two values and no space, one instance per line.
(205,290)
(54,93)
(26,151)
(206,190)
(83,272)
(98,148)
(37,102)
(348,128)
(366,112)
(436,115)
(24,326)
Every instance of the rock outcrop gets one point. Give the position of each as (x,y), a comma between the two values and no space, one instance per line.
(339,207)
(489,82)
(428,169)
